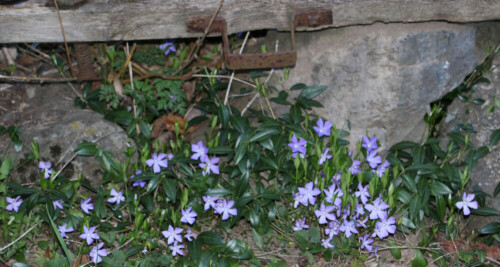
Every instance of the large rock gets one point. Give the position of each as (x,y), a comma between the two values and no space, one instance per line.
(46,114)
(382,77)
(486,174)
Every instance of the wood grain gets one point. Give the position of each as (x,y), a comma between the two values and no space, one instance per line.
(107,20)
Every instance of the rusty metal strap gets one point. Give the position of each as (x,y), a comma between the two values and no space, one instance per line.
(311,18)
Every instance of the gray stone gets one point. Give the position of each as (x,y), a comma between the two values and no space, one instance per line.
(47,115)
(382,77)
(486,174)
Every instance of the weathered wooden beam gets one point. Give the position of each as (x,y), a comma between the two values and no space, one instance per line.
(106,20)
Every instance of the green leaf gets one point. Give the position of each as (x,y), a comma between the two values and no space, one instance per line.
(409,182)
(210,238)
(485,211)
(270,162)
(194,249)
(170,188)
(403,145)
(221,150)
(494,137)
(298,86)
(404,196)
(257,239)
(497,190)
(120,117)
(115,259)
(218,192)
(408,223)
(396,252)
(86,149)
(439,188)
(419,260)
(6,167)
(264,134)
(133,250)
(440,207)
(312,91)
(490,229)
(70,256)
(153,183)
(314,235)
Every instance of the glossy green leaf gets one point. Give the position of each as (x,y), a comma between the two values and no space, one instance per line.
(312,91)
(440,207)
(86,149)
(298,86)
(194,249)
(490,229)
(264,134)
(257,239)
(221,150)
(486,211)
(395,251)
(439,188)
(409,182)
(210,238)
(218,192)
(494,137)
(170,188)
(419,260)
(497,190)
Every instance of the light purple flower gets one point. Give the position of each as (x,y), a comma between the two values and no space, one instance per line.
(333,228)
(326,243)
(200,151)
(377,209)
(381,168)
(308,194)
(348,227)
(89,234)
(365,242)
(225,209)
(298,146)
(188,216)
(324,213)
(373,160)
(45,168)
(360,210)
(210,165)
(177,249)
(190,235)
(209,202)
(370,143)
(14,203)
(362,193)
(168,46)
(86,205)
(300,225)
(117,197)
(385,227)
(333,195)
(354,169)
(362,223)
(63,229)
(96,253)
(173,234)
(323,128)
(156,161)
(466,204)
(58,204)
(324,157)
(140,183)
(336,178)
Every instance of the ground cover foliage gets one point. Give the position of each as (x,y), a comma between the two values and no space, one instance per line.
(292,177)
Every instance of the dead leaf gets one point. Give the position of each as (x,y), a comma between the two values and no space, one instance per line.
(83,259)
(118,86)
(167,122)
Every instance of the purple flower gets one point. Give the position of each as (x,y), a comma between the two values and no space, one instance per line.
(324,157)
(324,213)
(298,146)
(63,229)
(326,243)
(370,143)
(173,234)
(209,202)
(44,167)
(168,46)
(200,151)
(362,223)
(57,204)
(323,128)
(362,193)
(377,209)
(190,235)
(336,178)
(297,197)
(373,159)
(209,165)
(139,182)
(86,205)
(225,209)
(14,203)
(308,194)
(333,228)
(188,216)
(177,249)
(384,227)
(359,210)
(89,234)
(96,253)
(365,242)
(348,227)
(466,204)
(156,161)
(117,197)
(381,168)
(333,195)
(300,225)
(354,169)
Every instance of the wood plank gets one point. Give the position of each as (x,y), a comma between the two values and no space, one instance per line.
(107,20)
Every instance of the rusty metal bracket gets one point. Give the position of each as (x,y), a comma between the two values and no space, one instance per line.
(311,18)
